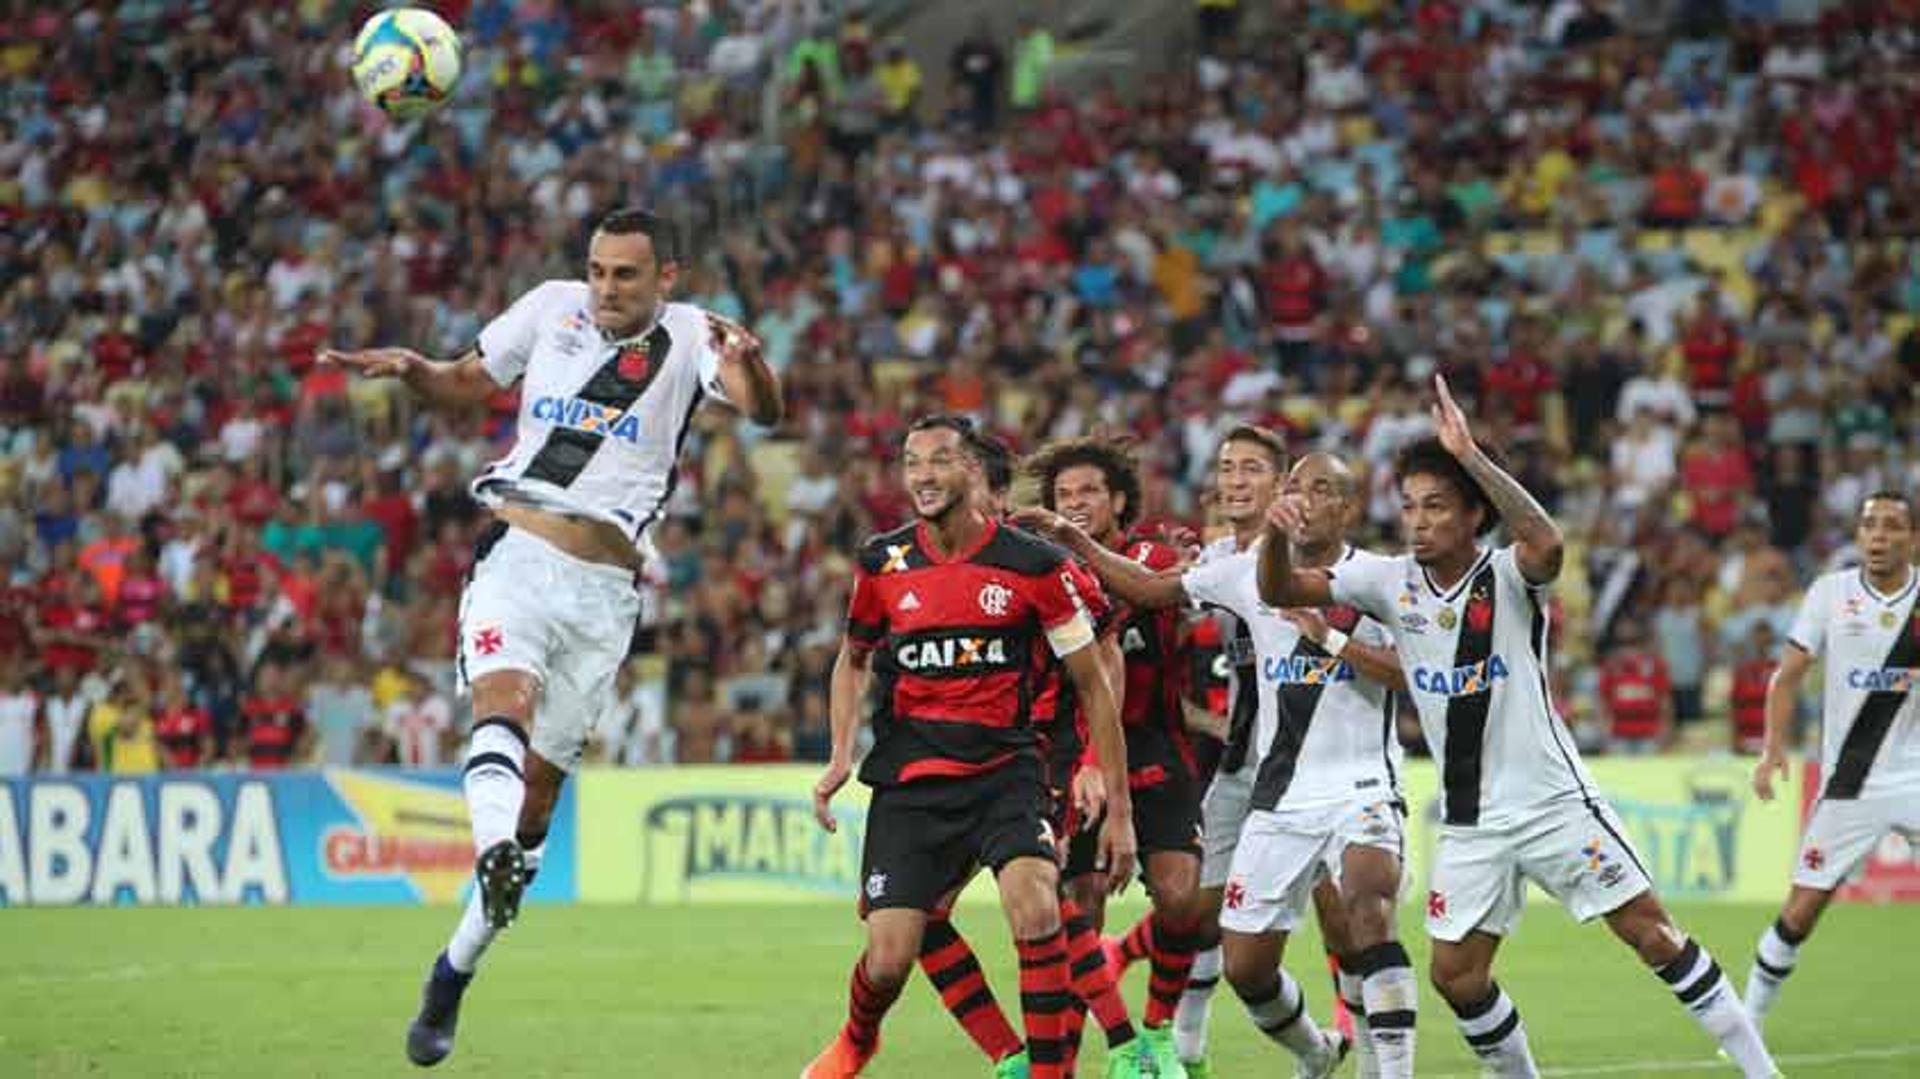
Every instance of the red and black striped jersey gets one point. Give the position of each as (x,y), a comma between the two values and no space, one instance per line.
(958,642)
(1153,646)
(273,729)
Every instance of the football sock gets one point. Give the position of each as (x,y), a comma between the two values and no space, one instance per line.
(1699,984)
(1280,1011)
(1494,1030)
(494,781)
(1347,990)
(1773,960)
(954,970)
(1138,943)
(867,1004)
(1172,959)
(1190,1021)
(1091,980)
(1045,995)
(472,935)
(1390,1002)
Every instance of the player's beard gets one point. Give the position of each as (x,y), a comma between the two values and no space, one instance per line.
(951,503)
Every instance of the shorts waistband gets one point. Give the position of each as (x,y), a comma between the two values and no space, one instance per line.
(520,537)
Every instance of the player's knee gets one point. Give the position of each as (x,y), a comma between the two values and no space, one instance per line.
(890,959)
(1249,965)
(1369,921)
(1459,981)
(1033,915)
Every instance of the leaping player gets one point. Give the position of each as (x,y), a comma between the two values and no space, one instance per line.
(611,373)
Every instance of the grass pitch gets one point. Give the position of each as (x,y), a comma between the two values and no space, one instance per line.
(750,991)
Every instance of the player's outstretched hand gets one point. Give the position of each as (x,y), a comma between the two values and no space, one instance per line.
(830,783)
(1045,522)
(1118,852)
(373,362)
(1450,423)
(1089,795)
(1773,763)
(1287,515)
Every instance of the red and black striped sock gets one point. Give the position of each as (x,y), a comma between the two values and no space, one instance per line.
(867,1004)
(1172,957)
(954,970)
(1092,982)
(1076,1027)
(1138,943)
(1045,996)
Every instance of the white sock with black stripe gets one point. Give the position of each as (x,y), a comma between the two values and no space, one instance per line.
(1392,998)
(494,779)
(1494,1030)
(1773,960)
(1698,983)
(1353,995)
(1190,1018)
(1280,1012)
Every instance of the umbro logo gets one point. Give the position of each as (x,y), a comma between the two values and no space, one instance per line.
(909,602)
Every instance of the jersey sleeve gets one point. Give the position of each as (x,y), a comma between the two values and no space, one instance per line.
(1365,582)
(1105,612)
(507,342)
(1809,630)
(1216,582)
(1506,569)
(716,331)
(866,613)
(1064,599)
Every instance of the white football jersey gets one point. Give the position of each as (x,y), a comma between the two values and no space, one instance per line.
(1322,735)
(601,422)
(1243,683)
(1870,719)
(1476,663)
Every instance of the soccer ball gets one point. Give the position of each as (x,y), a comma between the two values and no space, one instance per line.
(406,61)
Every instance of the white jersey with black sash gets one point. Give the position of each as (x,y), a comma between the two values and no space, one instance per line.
(1870,719)
(1476,661)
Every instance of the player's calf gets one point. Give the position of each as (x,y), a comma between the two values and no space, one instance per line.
(1696,980)
(953,968)
(1779,948)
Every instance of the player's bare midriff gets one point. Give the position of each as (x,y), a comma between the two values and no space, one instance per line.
(589,540)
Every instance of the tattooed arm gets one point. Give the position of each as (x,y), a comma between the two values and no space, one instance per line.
(1538,547)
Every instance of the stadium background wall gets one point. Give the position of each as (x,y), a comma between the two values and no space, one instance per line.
(703,835)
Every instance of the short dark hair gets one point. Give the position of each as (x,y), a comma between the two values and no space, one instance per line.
(1888,494)
(996,460)
(632,220)
(946,421)
(1264,437)
(1111,456)
(1427,457)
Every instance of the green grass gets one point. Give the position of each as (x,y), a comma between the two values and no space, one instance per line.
(754,991)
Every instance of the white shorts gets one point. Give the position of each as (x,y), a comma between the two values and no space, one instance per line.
(1576,851)
(568,622)
(1223,812)
(1842,832)
(1283,855)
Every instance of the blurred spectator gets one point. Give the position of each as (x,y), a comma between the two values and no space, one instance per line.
(1754,662)
(420,724)
(184,732)
(20,721)
(978,65)
(275,732)
(1638,693)
(342,710)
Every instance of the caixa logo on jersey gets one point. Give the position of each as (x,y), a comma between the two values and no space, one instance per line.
(964,654)
(1883,679)
(1305,670)
(1460,681)
(588,417)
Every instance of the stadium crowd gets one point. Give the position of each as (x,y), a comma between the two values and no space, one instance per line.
(1670,264)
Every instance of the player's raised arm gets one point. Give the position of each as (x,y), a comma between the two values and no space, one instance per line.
(845,692)
(1280,583)
(1538,547)
(455,383)
(1131,581)
(742,371)
(1783,690)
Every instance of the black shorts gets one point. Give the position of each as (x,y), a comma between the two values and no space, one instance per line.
(925,838)
(1166,808)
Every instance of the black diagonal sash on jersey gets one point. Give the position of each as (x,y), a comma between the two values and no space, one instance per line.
(1875,718)
(566,451)
(1467,712)
(1246,698)
(1298,702)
